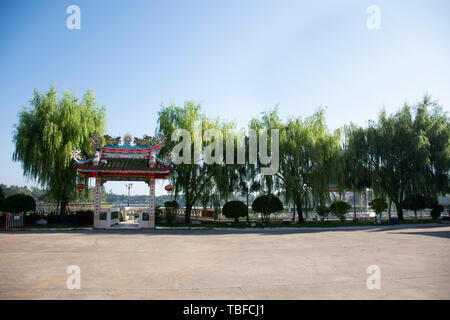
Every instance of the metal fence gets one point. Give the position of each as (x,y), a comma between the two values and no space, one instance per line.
(14,220)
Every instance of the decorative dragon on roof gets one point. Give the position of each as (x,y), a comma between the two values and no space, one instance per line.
(112,147)
(110,141)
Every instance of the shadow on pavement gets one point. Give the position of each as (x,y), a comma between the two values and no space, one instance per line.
(439,234)
(286,231)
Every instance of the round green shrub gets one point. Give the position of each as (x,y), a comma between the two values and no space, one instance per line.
(339,208)
(436,211)
(378,205)
(267,204)
(2,198)
(19,202)
(235,210)
(322,211)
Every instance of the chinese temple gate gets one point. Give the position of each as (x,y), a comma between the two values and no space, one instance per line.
(116,161)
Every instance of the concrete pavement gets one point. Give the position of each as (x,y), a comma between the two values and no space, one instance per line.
(212,264)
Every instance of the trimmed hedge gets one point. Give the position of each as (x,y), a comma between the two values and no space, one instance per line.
(436,211)
(82,218)
(322,211)
(267,204)
(235,210)
(19,202)
(339,208)
(170,211)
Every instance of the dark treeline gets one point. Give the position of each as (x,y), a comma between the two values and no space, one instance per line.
(37,193)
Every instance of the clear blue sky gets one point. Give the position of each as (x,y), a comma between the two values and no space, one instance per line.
(235,57)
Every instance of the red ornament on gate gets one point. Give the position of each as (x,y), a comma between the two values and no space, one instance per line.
(169,188)
(80,187)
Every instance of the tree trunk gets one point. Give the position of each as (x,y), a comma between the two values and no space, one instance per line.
(300,212)
(63,207)
(399,208)
(365,201)
(293,214)
(389,209)
(187,213)
(354,204)
(248,219)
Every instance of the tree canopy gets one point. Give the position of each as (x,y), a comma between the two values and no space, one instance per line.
(47,133)
(406,153)
(193,177)
(308,151)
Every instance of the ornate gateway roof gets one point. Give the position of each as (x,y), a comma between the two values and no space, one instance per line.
(116,161)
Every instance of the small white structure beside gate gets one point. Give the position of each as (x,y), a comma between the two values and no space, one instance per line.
(107,218)
(143,213)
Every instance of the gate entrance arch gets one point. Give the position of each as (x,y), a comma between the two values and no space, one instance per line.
(116,161)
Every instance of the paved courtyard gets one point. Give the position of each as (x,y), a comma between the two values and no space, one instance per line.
(414,262)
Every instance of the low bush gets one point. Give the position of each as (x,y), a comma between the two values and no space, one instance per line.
(82,218)
(378,205)
(436,211)
(339,208)
(267,204)
(170,211)
(235,210)
(322,211)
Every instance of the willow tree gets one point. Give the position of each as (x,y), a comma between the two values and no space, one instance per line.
(48,132)
(307,153)
(268,121)
(409,152)
(307,166)
(193,177)
(432,123)
(355,171)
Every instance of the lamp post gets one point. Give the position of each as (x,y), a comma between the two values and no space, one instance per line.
(129,185)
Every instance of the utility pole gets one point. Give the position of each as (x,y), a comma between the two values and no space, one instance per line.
(129,185)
